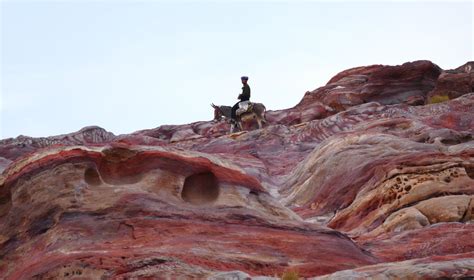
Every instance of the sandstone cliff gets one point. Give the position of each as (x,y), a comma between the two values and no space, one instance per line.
(371,175)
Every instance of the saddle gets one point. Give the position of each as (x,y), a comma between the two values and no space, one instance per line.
(244,107)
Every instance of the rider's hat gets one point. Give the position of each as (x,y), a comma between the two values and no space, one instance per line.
(244,78)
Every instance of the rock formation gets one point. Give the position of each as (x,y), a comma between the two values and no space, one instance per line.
(371,175)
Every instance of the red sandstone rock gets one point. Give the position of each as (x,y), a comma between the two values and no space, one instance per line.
(4,163)
(12,148)
(459,266)
(454,83)
(193,201)
(408,83)
(140,212)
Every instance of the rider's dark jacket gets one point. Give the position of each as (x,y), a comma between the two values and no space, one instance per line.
(245,95)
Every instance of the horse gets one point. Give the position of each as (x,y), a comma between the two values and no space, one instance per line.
(257,112)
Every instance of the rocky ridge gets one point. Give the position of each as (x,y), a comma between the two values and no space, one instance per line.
(371,175)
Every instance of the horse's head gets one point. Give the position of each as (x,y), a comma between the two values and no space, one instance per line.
(221,112)
(218,114)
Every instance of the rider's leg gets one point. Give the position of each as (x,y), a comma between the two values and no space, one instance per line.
(234,110)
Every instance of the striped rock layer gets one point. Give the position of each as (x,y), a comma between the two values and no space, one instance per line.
(371,175)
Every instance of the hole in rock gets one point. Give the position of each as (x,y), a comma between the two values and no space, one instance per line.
(469,171)
(450,141)
(91,176)
(201,188)
(457,140)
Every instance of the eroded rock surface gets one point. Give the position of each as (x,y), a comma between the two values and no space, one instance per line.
(118,211)
(371,175)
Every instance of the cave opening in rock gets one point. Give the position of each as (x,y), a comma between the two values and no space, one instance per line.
(469,171)
(92,177)
(201,188)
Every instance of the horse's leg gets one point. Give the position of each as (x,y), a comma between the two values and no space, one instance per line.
(239,123)
(259,121)
(234,125)
(257,117)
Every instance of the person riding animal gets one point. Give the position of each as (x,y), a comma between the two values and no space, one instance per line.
(242,111)
(244,96)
